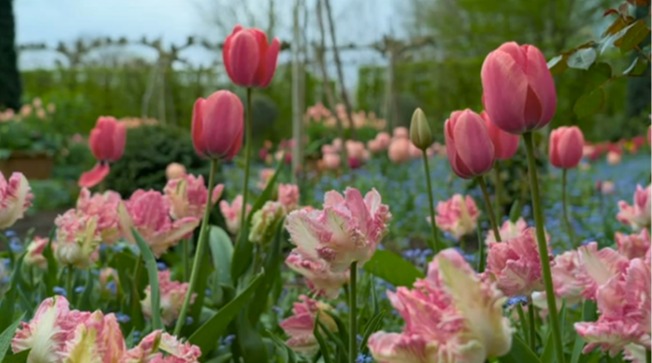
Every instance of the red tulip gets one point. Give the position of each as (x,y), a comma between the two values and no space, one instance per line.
(518,90)
(468,146)
(249,60)
(107,143)
(565,149)
(217,125)
(505,144)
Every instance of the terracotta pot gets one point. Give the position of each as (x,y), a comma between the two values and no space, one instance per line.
(34,165)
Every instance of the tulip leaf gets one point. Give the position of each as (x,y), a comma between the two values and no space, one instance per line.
(8,305)
(323,344)
(222,253)
(582,58)
(589,103)
(152,273)
(252,347)
(50,277)
(519,353)
(272,265)
(7,335)
(18,357)
(207,334)
(375,324)
(392,268)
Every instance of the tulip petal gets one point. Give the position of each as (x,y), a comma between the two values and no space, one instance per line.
(244,57)
(94,176)
(472,143)
(541,82)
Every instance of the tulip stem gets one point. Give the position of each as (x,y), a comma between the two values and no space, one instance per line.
(648,356)
(199,252)
(185,251)
(70,276)
(530,312)
(499,189)
(245,186)
(543,247)
(353,331)
(490,211)
(564,201)
(435,246)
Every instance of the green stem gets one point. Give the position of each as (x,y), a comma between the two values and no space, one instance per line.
(199,253)
(435,246)
(521,317)
(70,277)
(490,211)
(543,247)
(353,331)
(564,200)
(532,335)
(185,251)
(499,189)
(245,187)
(648,356)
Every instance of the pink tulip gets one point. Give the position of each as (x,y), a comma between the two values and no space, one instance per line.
(77,239)
(569,277)
(319,277)
(614,157)
(103,206)
(633,245)
(637,215)
(301,325)
(331,161)
(264,177)
(452,315)
(458,215)
(399,150)
(347,230)
(172,295)
(383,140)
(15,198)
(188,196)
(515,265)
(288,196)
(107,142)
(34,254)
(508,231)
(231,213)
(468,145)
(401,133)
(175,171)
(99,336)
(217,125)
(599,266)
(505,144)
(249,60)
(518,90)
(149,213)
(161,347)
(566,145)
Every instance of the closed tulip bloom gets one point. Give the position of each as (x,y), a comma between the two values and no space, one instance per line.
(248,58)
(15,198)
(107,143)
(217,125)
(518,90)
(505,144)
(565,149)
(468,146)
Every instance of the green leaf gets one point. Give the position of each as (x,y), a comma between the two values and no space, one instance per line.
(273,262)
(633,35)
(577,349)
(132,283)
(374,324)
(392,268)
(18,357)
(205,269)
(213,328)
(589,311)
(85,302)
(7,335)
(582,58)
(519,353)
(589,103)
(251,344)
(50,278)
(152,273)
(8,304)
(222,253)
(323,344)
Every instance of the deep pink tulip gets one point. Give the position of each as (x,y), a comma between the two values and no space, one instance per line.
(566,145)
(217,125)
(505,144)
(468,145)
(518,90)
(249,60)
(107,142)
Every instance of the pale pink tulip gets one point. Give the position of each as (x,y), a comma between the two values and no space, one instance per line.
(172,295)
(15,198)
(34,255)
(264,177)
(265,220)
(401,132)
(103,206)
(96,339)
(161,347)
(188,196)
(231,213)
(331,161)
(637,215)
(508,231)
(633,245)
(458,215)
(288,196)
(77,239)
(175,171)
(600,266)
(399,150)
(319,277)
(301,325)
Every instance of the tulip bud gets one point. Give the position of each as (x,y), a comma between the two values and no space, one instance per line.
(249,60)
(518,90)
(468,146)
(217,125)
(420,133)
(566,146)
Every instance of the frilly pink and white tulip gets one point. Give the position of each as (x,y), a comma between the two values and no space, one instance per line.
(149,213)
(599,267)
(264,220)
(172,295)
(515,264)
(508,230)
(231,213)
(161,347)
(319,277)
(77,239)
(15,198)
(34,255)
(288,196)
(637,215)
(97,339)
(633,245)
(103,206)
(188,196)
(264,177)
(347,230)
(300,326)
(450,316)
(457,215)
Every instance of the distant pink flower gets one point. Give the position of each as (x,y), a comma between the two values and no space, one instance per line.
(265,175)
(161,347)
(348,229)
(288,196)
(450,316)
(34,255)
(172,295)
(175,171)
(301,325)
(614,157)
(103,206)
(149,213)
(188,195)
(15,198)
(624,305)
(605,187)
(331,161)
(515,265)
(633,245)
(319,278)
(383,140)
(508,230)
(107,143)
(399,150)
(77,239)
(458,215)
(637,215)
(401,132)
(231,213)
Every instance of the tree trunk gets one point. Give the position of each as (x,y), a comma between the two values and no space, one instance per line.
(10,87)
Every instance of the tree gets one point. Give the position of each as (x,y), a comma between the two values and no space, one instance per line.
(10,87)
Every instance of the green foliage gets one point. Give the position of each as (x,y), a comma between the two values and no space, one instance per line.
(392,268)
(148,152)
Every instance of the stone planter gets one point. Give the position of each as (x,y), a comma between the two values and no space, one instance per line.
(34,165)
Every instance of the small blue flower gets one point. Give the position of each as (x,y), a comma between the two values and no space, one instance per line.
(15,245)
(161,266)
(111,286)
(228,340)
(79,289)
(516,300)
(59,291)
(363,358)
(124,318)
(189,320)
(10,233)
